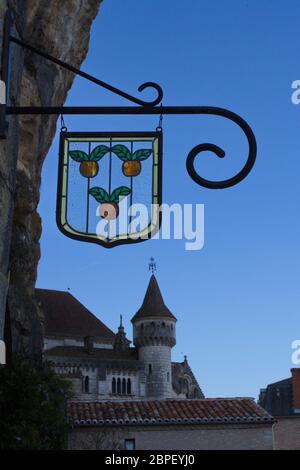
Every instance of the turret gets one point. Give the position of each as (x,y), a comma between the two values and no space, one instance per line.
(121,343)
(154,336)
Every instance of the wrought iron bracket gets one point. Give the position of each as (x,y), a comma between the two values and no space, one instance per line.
(143,108)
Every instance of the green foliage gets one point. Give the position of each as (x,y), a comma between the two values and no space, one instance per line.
(32,406)
(116,196)
(141,154)
(119,193)
(124,154)
(79,156)
(99,194)
(98,153)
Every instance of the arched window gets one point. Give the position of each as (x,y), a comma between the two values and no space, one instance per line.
(128,387)
(123,386)
(86,387)
(149,369)
(168,376)
(119,386)
(113,385)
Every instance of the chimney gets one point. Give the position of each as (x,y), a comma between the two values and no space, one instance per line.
(296,389)
(89,344)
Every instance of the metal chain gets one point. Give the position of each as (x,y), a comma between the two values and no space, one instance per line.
(159,127)
(63,127)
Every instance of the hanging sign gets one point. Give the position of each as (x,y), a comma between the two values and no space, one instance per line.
(110,183)
(110,186)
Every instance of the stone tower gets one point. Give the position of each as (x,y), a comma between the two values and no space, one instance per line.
(154,336)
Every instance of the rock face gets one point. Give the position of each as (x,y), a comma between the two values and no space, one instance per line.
(61,28)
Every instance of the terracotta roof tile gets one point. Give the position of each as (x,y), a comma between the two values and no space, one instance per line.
(203,411)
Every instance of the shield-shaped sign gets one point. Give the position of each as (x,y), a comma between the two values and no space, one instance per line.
(110,186)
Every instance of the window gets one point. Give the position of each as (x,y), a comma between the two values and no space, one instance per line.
(113,386)
(119,386)
(124,387)
(149,369)
(86,386)
(168,376)
(128,387)
(129,444)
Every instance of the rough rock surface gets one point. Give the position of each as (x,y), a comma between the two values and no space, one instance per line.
(62,28)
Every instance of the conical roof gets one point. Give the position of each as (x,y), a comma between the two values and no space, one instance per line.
(153,304)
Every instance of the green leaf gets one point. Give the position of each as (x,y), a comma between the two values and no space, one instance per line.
(119,193)
(122,152)
(99,194)
(78,155)
(141,154)
(98,153)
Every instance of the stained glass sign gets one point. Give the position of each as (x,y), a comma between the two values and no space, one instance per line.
(110,186)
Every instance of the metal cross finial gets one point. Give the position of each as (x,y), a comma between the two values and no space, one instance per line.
(121,318)
(152,265)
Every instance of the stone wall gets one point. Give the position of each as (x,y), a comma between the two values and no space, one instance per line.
(175,437)
(159,376)
(62,29)
(287,433)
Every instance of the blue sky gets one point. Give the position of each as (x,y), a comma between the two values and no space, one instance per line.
(237,300)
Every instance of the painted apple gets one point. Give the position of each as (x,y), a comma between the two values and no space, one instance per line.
(109,210)
(131,159)
(89,166)
(131,168)
(89,169)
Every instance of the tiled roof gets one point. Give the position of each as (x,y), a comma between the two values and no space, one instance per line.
(97,353)
(66,316)
(207,411)
(153,304)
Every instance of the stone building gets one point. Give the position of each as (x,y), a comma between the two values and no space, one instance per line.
(136,397)
(102,365)
(282,400)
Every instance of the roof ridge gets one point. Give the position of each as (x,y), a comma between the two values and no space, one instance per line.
(53,290)
(168,400)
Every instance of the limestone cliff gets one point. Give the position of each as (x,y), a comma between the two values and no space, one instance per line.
(62,28)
